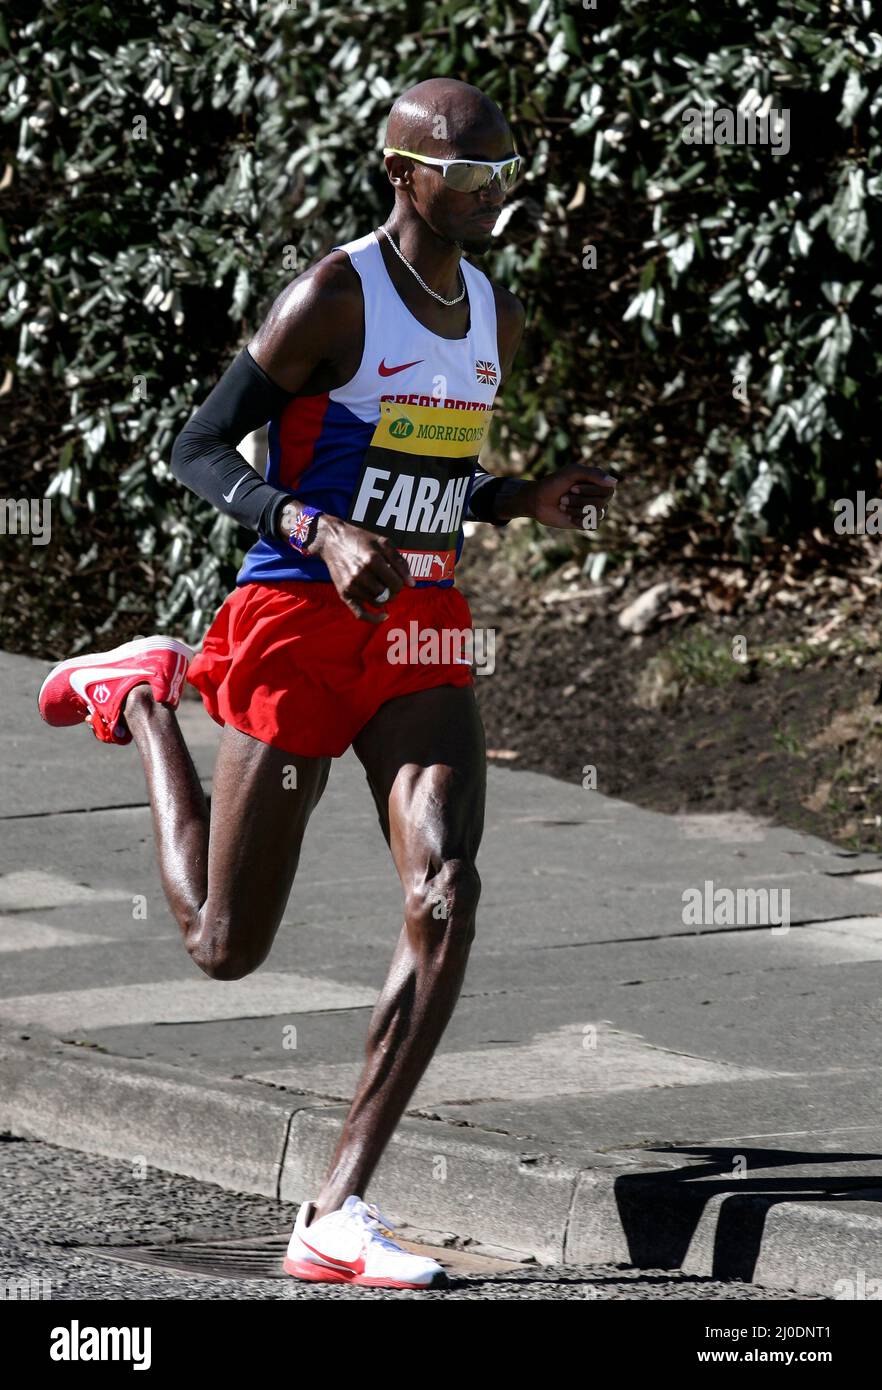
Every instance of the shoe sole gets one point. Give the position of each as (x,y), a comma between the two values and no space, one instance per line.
(322,1274)
(140,644)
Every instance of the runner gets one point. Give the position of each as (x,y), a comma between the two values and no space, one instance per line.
(377,370)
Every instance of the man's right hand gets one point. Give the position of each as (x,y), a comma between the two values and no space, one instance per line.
(361,565)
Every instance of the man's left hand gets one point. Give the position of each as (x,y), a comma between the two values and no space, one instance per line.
(563,499)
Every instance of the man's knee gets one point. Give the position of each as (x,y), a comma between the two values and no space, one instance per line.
(448,899)
(219,956)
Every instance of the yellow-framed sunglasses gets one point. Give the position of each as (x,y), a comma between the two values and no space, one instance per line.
(469,175)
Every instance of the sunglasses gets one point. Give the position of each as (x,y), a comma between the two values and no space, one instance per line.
(469,175)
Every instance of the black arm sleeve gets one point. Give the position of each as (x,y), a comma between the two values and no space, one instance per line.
(482,498)
(204,456)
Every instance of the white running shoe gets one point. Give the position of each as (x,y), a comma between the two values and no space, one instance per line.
(348,1247)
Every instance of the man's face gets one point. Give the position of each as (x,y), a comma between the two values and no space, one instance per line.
(465,218)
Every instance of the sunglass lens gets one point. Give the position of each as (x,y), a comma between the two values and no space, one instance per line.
(468,178)
(510,173)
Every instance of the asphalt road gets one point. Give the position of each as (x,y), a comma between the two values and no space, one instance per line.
(60,1205)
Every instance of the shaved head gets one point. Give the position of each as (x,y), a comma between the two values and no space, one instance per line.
(442,116)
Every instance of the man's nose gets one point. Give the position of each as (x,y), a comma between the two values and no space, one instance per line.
(494,192)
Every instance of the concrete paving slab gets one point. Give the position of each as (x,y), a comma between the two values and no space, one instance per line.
(232,1047)
(28,889)
(24,934)
(177,1001)
(132,954)
(808,1107)
(728,1029)
(79,964)
(573,1060)
(722,1027)
(701,956)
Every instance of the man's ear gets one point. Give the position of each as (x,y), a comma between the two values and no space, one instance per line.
(397,170)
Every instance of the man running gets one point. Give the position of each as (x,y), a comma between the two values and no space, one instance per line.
(376,369)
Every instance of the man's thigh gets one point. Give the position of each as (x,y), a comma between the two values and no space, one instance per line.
(425,759)
(261,802)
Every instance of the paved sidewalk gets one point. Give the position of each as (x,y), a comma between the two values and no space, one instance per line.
(615,1085)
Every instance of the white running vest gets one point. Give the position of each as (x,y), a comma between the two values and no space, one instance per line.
(395,449)
(429,399)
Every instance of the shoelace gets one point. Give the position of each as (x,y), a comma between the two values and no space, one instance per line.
(119,728)
(369,1215)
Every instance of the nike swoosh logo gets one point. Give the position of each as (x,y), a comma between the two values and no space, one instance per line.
(90,675)
(228,496)
(390,371)
(356,1263)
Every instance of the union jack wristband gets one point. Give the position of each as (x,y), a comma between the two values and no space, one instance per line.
(303,534)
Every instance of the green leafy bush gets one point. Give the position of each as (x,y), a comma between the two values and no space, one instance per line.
(170,168)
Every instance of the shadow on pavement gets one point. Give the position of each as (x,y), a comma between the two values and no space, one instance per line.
(660,1212)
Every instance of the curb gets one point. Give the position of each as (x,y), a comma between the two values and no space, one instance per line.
(214,1130)
(568,1207)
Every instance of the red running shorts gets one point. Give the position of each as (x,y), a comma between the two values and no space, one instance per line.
(289,664)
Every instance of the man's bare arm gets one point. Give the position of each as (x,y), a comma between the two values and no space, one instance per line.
(309,343)
(311,327)
(305,346)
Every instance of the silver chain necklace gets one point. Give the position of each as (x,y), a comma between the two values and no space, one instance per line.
(440,298)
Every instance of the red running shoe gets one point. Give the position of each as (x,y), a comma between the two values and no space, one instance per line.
(92,688)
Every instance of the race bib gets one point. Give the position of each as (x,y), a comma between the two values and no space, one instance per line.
(415,479)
